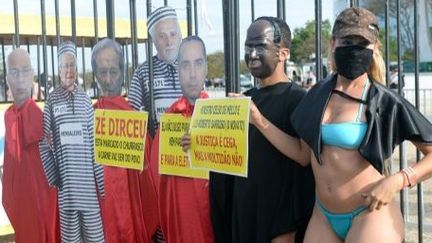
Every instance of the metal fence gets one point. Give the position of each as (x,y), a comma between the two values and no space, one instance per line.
(231,17)
(425,100)
(44,43)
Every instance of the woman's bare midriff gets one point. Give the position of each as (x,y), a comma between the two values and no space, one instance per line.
(342,177)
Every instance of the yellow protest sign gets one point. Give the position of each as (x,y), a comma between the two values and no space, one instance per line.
(172,159)
(120,138)
(219,135)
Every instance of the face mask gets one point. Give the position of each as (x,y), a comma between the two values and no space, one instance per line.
(352,61)
(261,53)
(266,67)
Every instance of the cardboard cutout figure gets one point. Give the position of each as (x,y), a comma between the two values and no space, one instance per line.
(28,201)
(67,154)
(129,210)
(184,205)
(165,31)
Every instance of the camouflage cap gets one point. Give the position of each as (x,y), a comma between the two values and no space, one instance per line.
(356,21)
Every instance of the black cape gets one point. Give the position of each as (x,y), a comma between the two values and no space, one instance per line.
(277,197)
(391,120)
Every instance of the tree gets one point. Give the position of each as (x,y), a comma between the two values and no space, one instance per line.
(406,19)
(216,65)
(303,43)
(393,46)
(88,77)
(243,67)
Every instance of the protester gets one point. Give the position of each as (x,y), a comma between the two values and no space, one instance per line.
(67,154)
(276,198)
(349,126)
(30,204)
(129,210)
(184,206)
(165,32)
(274,201)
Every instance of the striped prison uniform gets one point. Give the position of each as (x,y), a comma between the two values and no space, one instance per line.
(166,90)
(166,87)
(69,164)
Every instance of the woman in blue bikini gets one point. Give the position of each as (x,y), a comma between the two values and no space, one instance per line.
(349,125)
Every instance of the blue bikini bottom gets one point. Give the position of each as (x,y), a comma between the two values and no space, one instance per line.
(340,222)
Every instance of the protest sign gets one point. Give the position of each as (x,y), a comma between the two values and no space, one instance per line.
(172,159)
(219,135)
(120,138)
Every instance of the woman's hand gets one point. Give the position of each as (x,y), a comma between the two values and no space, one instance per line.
(383,192)
(185,142)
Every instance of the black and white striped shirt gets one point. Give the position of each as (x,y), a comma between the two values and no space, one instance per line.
(68,117)
(166,87)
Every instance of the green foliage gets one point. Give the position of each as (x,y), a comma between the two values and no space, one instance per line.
(216,65)
(408,55)
(243,67)
(303,43)
(406,19)
(393,47)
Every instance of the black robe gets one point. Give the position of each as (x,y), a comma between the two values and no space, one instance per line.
(277,197)
(391,119)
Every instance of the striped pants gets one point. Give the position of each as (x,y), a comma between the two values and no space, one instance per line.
(158,236)
(81,226)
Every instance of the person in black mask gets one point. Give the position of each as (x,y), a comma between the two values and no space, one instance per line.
(276,199)
(349,125)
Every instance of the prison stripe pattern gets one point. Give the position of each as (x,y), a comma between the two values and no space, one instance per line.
(79,174)
(166,87)
(90,230)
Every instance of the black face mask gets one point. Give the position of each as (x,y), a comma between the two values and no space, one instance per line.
(268,65)
(352,61)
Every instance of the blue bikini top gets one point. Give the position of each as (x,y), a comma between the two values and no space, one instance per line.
(347,135)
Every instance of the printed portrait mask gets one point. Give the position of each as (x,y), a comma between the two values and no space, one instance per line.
(108,72)
(261,53)
(167,38)
(192,69)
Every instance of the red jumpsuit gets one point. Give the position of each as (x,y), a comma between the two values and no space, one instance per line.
(184,207)
(129,210)
(27,199)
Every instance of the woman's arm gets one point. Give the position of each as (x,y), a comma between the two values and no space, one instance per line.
(292,147)
(383,192)
(423,168)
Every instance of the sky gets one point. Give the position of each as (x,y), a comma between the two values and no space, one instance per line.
(298,12)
